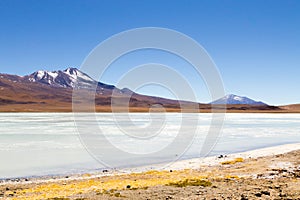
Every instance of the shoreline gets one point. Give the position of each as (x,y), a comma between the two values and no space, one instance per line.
(270,173)
(167,111)
(192,163)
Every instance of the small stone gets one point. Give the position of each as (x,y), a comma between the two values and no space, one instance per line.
(258,194)
(266,193)
(282,195)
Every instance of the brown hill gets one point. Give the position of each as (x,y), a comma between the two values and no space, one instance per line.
(294,108)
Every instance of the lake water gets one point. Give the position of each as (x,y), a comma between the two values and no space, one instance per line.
(34,144)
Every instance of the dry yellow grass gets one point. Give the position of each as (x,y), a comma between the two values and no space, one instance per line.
(232,162)
(108,185)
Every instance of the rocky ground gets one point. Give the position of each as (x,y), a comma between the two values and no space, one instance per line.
(271,177)
(283,188)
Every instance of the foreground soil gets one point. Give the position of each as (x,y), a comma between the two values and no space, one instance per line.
(271,177)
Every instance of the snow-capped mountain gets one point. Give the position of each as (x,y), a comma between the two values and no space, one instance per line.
(68,78)
(234,99)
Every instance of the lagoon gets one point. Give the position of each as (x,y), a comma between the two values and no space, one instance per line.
(37,144)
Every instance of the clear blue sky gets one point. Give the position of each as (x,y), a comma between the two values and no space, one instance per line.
(254,43)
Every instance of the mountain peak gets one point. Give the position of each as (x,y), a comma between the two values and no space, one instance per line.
(71,70)
(235,99)
(70,77)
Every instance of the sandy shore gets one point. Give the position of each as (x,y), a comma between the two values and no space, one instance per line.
(269,173)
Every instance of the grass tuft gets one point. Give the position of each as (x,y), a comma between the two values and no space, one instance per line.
(232,162)
(190,182)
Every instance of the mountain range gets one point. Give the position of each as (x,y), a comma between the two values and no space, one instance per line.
(52,92)
(44,91)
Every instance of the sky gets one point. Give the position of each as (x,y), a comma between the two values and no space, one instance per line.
(255,44)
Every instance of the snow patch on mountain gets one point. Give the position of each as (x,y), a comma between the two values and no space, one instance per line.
(53,74)
(238,98)
(40,74)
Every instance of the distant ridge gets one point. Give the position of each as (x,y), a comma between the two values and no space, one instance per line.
(232,99)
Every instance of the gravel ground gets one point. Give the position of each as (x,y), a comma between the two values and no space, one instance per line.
(270,177)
